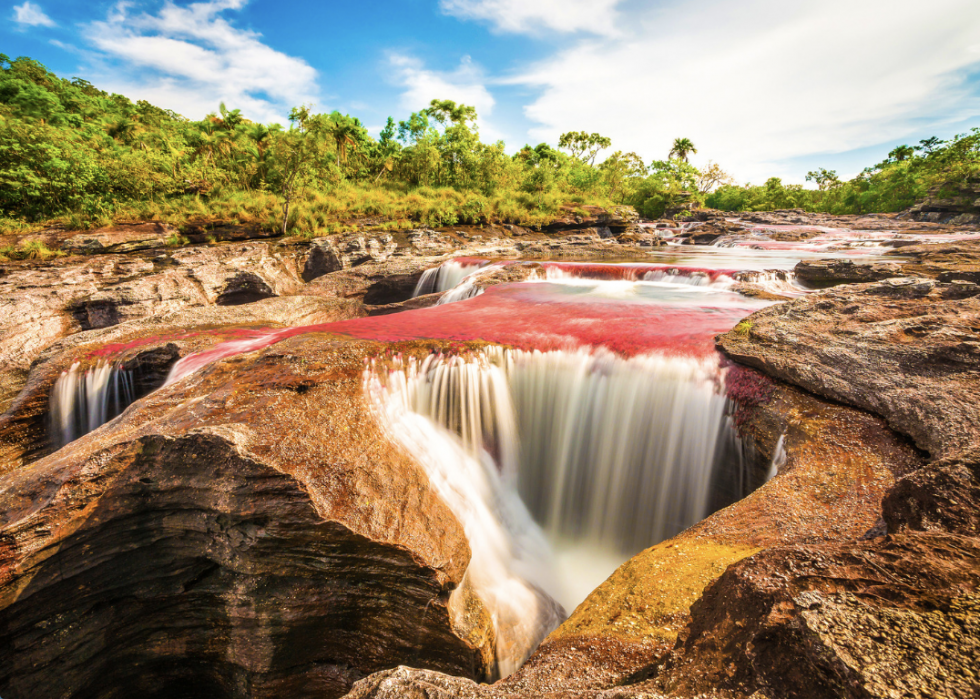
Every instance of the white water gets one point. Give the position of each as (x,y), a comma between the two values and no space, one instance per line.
(83,400)
(446,276)
(510,568)
(775,281)
(610,455)
(778,458)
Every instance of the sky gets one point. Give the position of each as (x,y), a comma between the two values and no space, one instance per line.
(762,87)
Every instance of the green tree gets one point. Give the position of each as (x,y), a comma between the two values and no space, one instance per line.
(682,148)
(584,146)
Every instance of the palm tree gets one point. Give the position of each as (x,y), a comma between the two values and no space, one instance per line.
(682,147)
(346,131)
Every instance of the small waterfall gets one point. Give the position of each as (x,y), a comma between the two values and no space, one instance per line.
(775,281)
(687,276)
(466,290)
(446,276)
(778,458)
(84,399)
(609,453)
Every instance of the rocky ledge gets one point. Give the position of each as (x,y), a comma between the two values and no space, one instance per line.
(249,531)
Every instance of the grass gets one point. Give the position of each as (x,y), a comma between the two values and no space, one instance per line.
(744,328)
(28,250)
(316,213)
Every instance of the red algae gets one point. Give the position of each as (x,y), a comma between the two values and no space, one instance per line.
(529,316)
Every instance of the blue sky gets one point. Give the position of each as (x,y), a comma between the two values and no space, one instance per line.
(763,87)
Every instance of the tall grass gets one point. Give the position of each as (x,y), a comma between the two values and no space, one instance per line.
(316,212)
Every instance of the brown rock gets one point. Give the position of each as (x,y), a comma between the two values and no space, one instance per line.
(903,349)
(247,531)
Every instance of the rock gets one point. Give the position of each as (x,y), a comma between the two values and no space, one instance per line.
(956,204)
(861,619)
(321,259)
(242,288)
(119,239)
(709,233)
(904,349)
(247,531)
(823,273)
(149,346)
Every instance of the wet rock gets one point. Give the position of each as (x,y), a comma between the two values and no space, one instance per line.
(709,233)
(147,346)
(247,531)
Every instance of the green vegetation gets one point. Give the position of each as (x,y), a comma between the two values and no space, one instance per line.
(29,250)
(908,175)
(74,155)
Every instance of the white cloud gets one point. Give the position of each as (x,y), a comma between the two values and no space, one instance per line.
(466,84)
(30,15)
(763,81)
(191,58)
(525,16)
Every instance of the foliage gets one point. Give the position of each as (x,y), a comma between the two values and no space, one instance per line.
(908,175)
(681,149)
(80,156)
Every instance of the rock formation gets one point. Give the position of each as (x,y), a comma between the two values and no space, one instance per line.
(251,531)
(234,537)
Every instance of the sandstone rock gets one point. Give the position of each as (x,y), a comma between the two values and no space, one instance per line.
(248,531)
(862,619)
(149,347)
(904,349)
(321,259)
(822,273)
(119,239)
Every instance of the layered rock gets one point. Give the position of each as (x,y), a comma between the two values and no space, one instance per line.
(906,349)
(246,532)
(147,348)
(955,204)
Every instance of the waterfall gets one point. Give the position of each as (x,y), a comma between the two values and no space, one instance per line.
(607,453)
(510,567)
(446,276)
(84,399)
(775,281)
(778,458)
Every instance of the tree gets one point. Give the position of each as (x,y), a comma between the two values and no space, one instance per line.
(622,174)
(711,176)
(294,154)
(901,153)
(825,179)
(584,146)
(681,149)
(347,132)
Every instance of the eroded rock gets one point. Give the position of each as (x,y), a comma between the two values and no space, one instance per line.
(246,532)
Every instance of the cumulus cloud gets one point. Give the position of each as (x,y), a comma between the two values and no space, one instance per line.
(763,81)
(191,58)
(525,16)
(31,15)
(467,84)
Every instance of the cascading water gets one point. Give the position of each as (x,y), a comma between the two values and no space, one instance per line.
(84,399)
(446,276)
(607,453)
(510,567)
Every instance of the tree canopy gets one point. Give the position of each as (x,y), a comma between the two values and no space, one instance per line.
(71,150)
